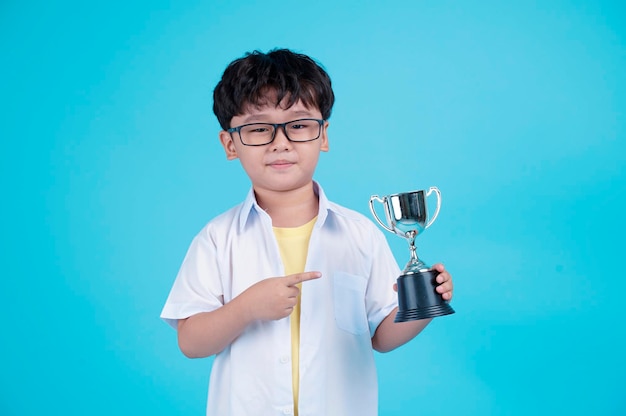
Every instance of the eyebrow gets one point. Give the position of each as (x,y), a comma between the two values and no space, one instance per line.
(262,117)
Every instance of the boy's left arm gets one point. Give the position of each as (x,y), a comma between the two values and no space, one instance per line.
(390,335)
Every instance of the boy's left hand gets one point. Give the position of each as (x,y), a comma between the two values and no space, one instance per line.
(444,279)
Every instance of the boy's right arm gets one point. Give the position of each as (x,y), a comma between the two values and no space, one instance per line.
(208,333)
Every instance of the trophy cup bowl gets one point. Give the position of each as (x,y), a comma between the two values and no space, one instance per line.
(407,216)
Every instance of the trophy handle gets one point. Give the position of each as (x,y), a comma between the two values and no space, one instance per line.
(377,198)
(434,217)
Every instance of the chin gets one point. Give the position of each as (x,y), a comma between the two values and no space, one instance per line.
(286,186)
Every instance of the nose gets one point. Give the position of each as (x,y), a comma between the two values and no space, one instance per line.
(281,142)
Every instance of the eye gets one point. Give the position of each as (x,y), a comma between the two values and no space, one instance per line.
(302,124)
(258,129)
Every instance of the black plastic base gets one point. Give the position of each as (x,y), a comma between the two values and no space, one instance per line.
(418,299)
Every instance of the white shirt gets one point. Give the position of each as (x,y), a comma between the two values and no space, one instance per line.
(340,312)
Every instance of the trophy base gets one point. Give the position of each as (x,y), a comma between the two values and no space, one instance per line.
(418,299)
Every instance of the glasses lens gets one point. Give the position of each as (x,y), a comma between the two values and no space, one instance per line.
(257,134)
(303,130)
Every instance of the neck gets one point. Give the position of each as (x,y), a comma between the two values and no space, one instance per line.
(289,208)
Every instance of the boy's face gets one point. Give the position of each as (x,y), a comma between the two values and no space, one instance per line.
(281,165)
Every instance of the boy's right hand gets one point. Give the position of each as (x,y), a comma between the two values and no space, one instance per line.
(274,298)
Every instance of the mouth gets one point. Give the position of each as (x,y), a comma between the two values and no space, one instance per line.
(281,164)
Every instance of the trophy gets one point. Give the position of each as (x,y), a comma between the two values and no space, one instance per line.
(407,217)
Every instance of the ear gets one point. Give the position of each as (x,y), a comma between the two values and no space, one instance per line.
(324,147)
(229,146)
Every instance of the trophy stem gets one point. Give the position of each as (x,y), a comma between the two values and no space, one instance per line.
(414,264)
(414,259)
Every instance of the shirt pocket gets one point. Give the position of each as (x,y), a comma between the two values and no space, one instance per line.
(349,302)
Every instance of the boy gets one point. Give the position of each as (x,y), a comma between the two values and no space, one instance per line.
(290,291)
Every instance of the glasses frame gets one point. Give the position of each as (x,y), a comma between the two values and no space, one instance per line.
(276,127)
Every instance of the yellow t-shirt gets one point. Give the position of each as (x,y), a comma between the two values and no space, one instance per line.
(294,245)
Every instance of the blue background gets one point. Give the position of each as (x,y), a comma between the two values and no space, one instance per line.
(110,164)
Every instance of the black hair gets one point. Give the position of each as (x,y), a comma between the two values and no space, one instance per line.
(277,75)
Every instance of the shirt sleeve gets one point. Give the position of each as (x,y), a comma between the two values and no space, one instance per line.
(198,287)
(380,298)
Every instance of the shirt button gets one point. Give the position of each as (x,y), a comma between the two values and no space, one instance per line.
(288,411)
(284,359)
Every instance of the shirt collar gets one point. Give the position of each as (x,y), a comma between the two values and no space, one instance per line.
(250,207)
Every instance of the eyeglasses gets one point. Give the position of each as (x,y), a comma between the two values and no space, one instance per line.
(259,134)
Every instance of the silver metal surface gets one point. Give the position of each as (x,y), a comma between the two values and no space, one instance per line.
(407,216)
(406,213)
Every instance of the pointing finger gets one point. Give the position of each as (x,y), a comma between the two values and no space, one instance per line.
(294,279)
